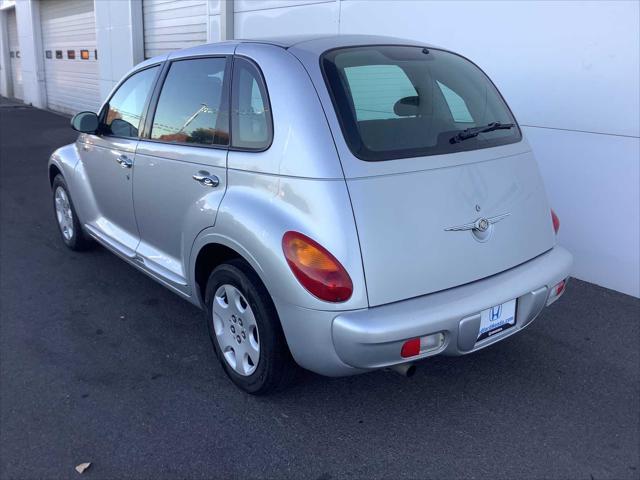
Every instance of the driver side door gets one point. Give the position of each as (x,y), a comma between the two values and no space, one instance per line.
(107,163)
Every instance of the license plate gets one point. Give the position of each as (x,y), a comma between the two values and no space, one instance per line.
(497,319)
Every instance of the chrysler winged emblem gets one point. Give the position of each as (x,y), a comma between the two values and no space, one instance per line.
(480,225)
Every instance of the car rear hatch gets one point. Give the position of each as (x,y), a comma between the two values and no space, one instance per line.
(444,188)
(416,228)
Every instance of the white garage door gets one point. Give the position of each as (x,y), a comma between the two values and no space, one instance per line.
(70,64)
(14,54)
(173,24)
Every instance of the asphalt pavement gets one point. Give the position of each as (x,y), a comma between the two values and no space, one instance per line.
(100,364)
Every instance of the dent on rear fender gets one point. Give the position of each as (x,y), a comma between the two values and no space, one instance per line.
(256,212)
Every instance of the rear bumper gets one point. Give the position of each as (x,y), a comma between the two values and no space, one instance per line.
(373,338)
(361,340)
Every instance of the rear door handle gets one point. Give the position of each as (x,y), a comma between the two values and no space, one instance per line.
(205,179)
(124,161)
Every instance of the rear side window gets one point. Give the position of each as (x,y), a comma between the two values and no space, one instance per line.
(192,107)
(123,112)
(400,101)
(251,123)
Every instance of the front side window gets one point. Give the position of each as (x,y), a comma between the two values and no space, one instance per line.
(399,102)
(124,110)
(251,115)
(192,105)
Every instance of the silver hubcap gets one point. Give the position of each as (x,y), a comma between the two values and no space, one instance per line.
(63,213)
(236,330)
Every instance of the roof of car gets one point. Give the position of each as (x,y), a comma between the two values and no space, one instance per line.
(314,44)
(311,42)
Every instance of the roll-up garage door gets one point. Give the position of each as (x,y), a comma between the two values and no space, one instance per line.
(70,63)
(14,54)
(173,24)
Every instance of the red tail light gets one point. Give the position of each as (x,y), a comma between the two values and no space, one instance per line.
(555,220)
(316,269)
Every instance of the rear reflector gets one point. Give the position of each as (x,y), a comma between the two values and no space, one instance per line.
(410,348)
(556,291)
(556,221)
(419,345)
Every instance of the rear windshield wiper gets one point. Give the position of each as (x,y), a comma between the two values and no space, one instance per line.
(473,132)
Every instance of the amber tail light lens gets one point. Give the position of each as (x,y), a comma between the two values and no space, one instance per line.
(316,269)
(555,220)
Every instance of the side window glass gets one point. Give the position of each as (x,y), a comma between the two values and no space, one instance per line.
(376,89)
(251,125)
(457,106)
(124,110)
(192,105)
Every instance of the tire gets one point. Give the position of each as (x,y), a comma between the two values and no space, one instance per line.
(66,217)
(236,341)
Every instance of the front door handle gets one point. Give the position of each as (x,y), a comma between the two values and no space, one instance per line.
(206,179)
(124,161)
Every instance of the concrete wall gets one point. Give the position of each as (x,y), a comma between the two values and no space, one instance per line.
(570,72)
(30,38)
(6,88)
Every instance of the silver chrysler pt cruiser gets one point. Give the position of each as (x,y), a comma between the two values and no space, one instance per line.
(342,203)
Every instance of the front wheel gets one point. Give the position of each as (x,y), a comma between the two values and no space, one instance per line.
(68,223)
(245,330)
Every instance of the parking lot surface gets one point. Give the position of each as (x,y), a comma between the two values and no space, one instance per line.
(100,364)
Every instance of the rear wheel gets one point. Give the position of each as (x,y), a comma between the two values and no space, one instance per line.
(245,330)
(68,224)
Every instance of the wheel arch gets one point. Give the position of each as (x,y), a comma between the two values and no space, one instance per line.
(209,257)
(54,171)
(63,162)
(211,250)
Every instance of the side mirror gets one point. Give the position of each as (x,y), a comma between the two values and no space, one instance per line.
(85,122)
(407,106)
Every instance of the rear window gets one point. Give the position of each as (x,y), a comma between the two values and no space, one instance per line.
(398,102)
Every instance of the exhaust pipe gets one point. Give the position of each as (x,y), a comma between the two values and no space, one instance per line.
(405,369)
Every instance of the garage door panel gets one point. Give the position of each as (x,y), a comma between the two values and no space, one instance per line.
(70,8)
(71,32)
(82,81)
(172,25)
(192,13)
(74,19)
(193,7)
(173,38)
(177,29)
(158,25)
(72,84)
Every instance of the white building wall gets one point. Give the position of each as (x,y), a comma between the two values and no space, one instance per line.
(570,72)
(215,27)
(30,37)
(119,39)
(6,88)
(264,18)
(15,63)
